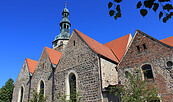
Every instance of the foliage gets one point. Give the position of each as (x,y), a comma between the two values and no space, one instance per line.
(38,97)
(145,5)
(136,90)
(75,97)
(6,91)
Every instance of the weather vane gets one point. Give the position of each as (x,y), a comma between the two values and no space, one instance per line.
(65,4)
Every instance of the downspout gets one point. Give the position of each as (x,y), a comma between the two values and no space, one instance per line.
(100,74)
(53,80)
(30,76)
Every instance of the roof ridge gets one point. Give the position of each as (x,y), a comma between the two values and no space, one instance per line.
(118,38)
(97,47)
(154,39)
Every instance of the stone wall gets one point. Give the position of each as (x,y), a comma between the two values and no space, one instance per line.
(109,73)
(22,81)
(43,72)
(79,59)
(156,54)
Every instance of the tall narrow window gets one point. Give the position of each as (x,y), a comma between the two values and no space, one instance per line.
(147,71)
(64,25)
(21,94)
(42,88)
(138,48)
(74,43)
(144,46)
(72,82)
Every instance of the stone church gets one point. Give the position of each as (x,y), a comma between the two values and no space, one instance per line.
(80,62)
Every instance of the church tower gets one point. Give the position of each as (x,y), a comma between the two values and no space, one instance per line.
(61,40)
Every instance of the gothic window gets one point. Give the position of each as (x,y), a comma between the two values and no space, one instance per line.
(72,84)
(138,48)
(21,94)
(41,87)
(67,26)
(147,71)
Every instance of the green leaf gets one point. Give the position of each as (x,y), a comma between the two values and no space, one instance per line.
(143,12)
(164,0)
(118,14)
(165,19)
(115,17)
(160,15)
(110,5)
(118,8)
(156,5)
(148,4)
(111,12)
(168,7)
(139,4)
(118,1)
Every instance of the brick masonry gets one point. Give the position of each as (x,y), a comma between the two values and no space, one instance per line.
(156,54)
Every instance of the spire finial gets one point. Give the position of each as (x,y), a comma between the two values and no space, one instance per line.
(66,4)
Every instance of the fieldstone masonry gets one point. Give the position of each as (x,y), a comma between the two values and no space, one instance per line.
(84,62)
(22,81)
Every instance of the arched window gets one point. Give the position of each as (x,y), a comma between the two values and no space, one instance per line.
(64,25)
(41,87)
(147,71)
(21,92)
(72,84)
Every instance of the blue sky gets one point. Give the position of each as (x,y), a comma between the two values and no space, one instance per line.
(26,26)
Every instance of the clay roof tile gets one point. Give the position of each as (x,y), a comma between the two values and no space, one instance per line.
(168,41)
(53,55)
(32,64)
(97,47)
(119,46)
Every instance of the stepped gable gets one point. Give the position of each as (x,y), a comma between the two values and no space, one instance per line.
(97,47)
(168,41)
(53,55)
(31,65)
(119,46)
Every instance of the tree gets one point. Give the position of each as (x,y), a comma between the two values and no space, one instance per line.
(136,90)
(6,91)
(145,5)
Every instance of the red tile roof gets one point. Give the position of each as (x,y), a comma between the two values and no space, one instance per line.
(168,41)
(53,55)
(32,64)
(97,47)
(119,45)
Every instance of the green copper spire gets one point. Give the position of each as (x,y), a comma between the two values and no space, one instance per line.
(64,25)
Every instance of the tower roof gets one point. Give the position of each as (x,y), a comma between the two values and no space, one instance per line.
(64,25)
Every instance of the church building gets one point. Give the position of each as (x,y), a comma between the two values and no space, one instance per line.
(78,63)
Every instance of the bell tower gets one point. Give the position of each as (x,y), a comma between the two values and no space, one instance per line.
(61,40)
